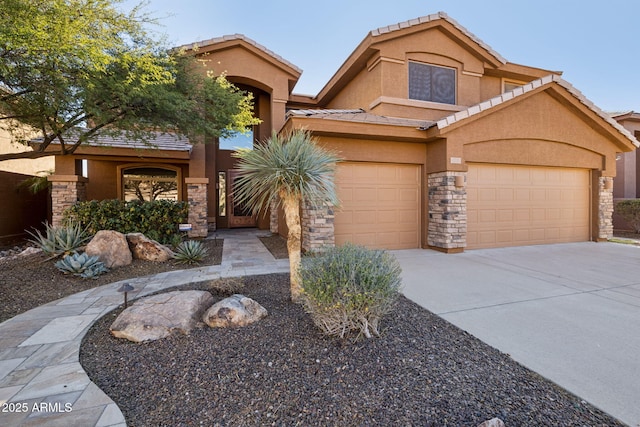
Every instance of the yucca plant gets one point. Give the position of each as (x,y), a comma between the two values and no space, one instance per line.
(83,265)
(289,169)
(60,240)
(190,252)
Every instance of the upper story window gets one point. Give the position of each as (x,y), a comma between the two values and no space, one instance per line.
(238,140)
(432,83)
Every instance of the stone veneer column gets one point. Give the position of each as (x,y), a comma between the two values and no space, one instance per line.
(197,198)
(605,208)
(447,212)
(66,190)
(317,227)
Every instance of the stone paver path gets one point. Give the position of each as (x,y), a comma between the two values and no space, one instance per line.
(41,380)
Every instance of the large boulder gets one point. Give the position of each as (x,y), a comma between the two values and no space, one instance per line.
(158,316)
(111,248)
(237,310)
(147,249)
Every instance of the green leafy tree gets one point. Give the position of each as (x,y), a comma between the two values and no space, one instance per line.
(73,69)
(290,169)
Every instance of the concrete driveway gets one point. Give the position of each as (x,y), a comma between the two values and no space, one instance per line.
(570,312)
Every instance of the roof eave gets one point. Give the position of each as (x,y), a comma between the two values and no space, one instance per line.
(343,128)
(229,41)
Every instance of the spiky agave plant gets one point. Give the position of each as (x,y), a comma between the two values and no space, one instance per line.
(83,265)
(60,240)
(190,252)
(289,169)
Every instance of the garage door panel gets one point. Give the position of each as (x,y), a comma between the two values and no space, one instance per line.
(382,207)
(505,215)
(365,194)
(504,236)
(487,194)
(549,205)
(387,216)
(409,196)
(387,195)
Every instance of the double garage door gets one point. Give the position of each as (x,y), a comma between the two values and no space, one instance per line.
(526,205)
(379,205)
(507,205)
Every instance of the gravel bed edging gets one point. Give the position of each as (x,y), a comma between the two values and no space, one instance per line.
(282,371)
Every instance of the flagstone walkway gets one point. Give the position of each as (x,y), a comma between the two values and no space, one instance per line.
(41,380)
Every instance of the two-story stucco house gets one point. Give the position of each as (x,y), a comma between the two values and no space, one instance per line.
(445,143)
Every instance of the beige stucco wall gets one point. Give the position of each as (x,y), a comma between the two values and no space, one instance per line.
(23,166)
(538,130)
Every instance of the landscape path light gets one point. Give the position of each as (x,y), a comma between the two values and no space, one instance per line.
(126,288)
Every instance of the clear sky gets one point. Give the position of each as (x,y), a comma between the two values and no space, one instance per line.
(595,43)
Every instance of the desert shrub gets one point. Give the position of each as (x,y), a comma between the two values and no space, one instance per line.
(60,240)
(224,286)
(157,220)
(349,289)
(629,210)
(190,252)
(83,265)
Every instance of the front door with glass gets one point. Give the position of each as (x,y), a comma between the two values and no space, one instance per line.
(239,215)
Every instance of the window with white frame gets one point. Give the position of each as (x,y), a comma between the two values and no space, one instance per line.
(432,83)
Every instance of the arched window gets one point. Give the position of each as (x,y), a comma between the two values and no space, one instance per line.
(149,182)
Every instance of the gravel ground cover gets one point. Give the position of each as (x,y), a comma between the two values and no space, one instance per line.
(276,244)
(282,371)
(29,281)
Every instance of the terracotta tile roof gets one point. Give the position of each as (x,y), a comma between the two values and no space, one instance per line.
(486,105)
(435,17)
(360,116)
(244,38)
(158,140)
(625,115)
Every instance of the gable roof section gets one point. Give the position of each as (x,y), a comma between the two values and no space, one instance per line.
(234,39)
(472,112)
(358,58)
(435,17)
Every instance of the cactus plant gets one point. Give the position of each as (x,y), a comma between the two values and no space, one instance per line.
(190,252)
(83,265)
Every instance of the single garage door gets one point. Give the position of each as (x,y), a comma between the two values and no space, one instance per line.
(511,205)
(379,205)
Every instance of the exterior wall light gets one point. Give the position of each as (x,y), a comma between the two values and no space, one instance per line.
(459,181)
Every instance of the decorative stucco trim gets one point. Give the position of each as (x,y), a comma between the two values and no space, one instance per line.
(380,59)
(67,178)
(414,103)
(196,180)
